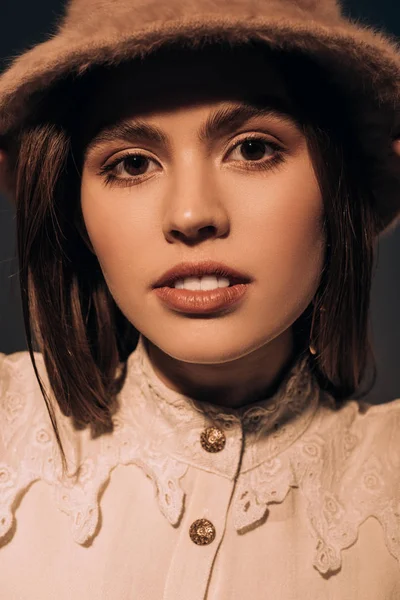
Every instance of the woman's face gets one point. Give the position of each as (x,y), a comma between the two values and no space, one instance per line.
(190,199)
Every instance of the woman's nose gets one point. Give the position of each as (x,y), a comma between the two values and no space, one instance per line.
(199,225)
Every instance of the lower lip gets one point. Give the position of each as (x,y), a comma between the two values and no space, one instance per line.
(201,302)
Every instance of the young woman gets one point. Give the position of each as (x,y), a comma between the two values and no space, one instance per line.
(196,231)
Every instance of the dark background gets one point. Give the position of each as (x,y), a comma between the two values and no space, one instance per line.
(24,23)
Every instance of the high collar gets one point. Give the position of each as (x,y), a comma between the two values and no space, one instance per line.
(260,430)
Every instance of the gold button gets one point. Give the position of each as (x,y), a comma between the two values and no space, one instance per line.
(202,532)
(212,439)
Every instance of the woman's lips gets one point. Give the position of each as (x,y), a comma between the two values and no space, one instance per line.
(201,301)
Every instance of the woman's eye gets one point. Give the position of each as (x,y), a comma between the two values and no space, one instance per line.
(254,148)
(251,152)
(134,165)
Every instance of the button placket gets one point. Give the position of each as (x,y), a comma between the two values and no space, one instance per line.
(212,439)
(202,530)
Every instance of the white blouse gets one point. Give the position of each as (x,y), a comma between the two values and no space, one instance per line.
(287,498)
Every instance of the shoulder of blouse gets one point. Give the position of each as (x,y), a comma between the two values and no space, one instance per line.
(21,403)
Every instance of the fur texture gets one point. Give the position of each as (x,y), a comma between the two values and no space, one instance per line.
(364,61)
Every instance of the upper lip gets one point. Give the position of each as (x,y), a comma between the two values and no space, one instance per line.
(206,267)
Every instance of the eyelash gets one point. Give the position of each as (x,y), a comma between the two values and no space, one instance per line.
(263,165)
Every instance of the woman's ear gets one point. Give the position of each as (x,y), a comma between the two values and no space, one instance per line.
(6,184)
(396,146)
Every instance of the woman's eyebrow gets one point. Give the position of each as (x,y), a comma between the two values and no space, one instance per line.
(223,121)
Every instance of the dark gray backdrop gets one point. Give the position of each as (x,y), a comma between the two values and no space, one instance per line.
(24,23)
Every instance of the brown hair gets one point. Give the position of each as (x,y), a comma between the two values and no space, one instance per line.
(69,313)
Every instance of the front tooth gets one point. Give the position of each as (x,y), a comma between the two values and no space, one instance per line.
(208,282)
(191,283)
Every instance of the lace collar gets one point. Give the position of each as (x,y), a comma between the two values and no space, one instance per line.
(264,428)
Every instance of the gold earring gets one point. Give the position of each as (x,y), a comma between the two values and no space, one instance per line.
(312,348)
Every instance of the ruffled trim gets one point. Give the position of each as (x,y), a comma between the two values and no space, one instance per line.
(366,483)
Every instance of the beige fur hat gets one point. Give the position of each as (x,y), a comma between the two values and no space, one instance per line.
(362,60)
